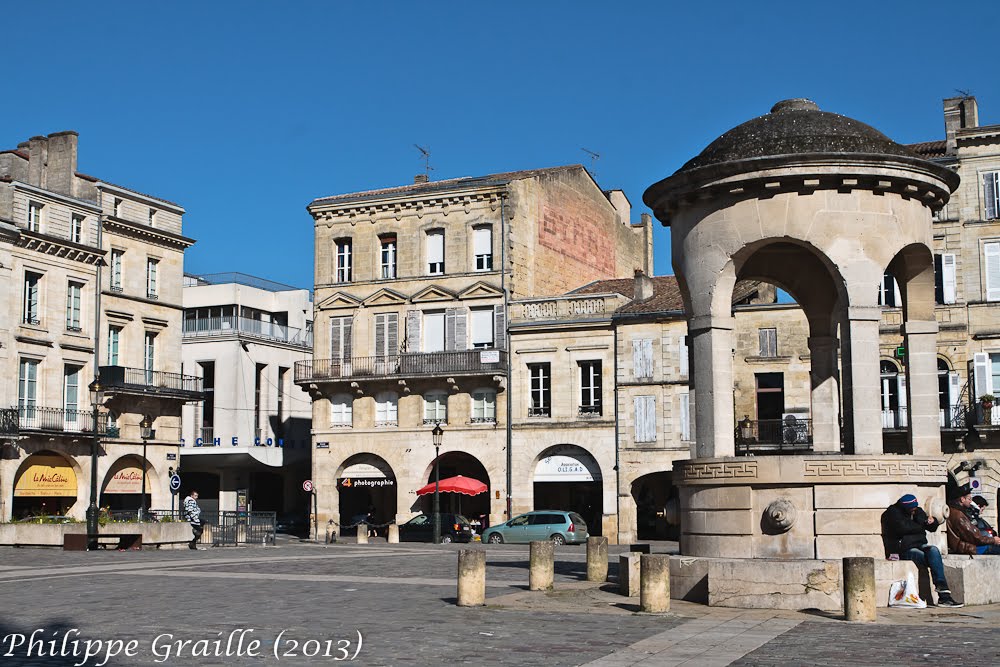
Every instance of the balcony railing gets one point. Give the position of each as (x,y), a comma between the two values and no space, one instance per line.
(408,364)
(952,417)
(58,420)
(788,434)
(122,379)
(8,421)
(231,324)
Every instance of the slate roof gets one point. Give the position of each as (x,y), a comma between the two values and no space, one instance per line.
(666,294)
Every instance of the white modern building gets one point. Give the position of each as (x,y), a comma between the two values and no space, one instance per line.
(247,445)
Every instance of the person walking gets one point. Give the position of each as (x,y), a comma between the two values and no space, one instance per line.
(370,521)
(192,512)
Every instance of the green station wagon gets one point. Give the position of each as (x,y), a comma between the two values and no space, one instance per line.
(556,525)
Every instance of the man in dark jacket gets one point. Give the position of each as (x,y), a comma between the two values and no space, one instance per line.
(965,536)
(904,529)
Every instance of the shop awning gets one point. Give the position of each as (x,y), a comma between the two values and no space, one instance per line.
(46,476)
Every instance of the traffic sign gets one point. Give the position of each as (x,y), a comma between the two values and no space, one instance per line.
(175,483)
(307,486)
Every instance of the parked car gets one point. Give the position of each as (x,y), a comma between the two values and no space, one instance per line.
(292,523)
(454,528)
(556,525)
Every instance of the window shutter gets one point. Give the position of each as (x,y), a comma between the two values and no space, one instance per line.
(948,278)
(392,334)
(991,252)
(901,393)
(413,318)
(499,327)
(983,382)
(435,247)
(642,358)
(683,355)
(482,327)
(645,419)
(990,192)
(336,334)
(685,417)
(450,317)
(461,329)
(380,331)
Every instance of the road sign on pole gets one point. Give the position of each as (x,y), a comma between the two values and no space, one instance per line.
(175,483)
(307,486)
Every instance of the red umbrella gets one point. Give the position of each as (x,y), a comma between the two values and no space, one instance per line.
(457,484)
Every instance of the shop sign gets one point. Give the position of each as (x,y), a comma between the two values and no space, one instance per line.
(127,479)
(47,476)
(562,468)
(362,483)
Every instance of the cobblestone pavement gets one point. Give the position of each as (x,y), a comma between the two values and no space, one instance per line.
(400,598)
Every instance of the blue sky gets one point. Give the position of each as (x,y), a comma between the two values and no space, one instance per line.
(243,112)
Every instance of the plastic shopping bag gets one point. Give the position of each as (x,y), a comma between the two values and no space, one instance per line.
(904,593)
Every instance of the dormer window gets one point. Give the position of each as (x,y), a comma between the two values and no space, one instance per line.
(34,217)
(152,217)
(118,208)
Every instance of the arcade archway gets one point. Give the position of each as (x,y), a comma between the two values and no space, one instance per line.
(45,485)
(475,508)
(122,488)
(366,482)
(567,477)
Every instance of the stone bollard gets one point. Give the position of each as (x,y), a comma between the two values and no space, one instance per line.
(471,578)
(654,583)
(597,559)
(541,566)
(393,535)
(362,534)
(628,575)
(331,532)
(639,548)
(859,589)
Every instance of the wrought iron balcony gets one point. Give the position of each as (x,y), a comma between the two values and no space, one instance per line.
(407,364)
(778,435)
(59,420)
(8,421)
(123,380)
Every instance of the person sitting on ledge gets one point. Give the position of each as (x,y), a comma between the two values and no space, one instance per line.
(983,525)
(904,530)
(964,533)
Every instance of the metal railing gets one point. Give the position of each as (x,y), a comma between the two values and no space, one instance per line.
(790,433)
(897,419)
(407,364)
(58,420)
(225,528)
(9,421)
(151,382)
(225,325)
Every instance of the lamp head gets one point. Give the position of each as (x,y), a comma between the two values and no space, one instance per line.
(437,434)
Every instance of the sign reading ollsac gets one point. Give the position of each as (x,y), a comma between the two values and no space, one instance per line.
(46,476)
(125,478)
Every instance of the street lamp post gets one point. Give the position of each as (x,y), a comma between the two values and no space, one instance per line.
(146,433)
(437,434)
(96,396)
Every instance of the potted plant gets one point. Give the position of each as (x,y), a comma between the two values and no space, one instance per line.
(986,401)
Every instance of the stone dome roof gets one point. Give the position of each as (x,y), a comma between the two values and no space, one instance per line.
(794,127)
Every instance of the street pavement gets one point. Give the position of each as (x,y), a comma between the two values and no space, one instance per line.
(309,604)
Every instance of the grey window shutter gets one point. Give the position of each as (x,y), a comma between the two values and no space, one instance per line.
(645,418)
(499,327)
(336,333)
(392,334)
(990,194)
(380,331)
(450,315)
(461,328)
(642,358)
(348,325)
(413,318)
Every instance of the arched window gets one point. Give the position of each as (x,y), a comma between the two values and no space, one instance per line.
(436,407)
(386,408)
(893,396)
(948,393)
(342,410)
(484,406)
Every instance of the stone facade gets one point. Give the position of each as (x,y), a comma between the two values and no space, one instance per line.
(63,227)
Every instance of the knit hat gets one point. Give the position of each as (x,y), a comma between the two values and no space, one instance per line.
(909,501)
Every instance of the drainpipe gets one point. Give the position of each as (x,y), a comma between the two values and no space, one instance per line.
(506,334)
(618,472)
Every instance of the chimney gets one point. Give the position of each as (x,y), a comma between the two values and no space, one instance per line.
(959,113)
(38,157)
(62,162)
(621,204)
(643,286)
(420,178)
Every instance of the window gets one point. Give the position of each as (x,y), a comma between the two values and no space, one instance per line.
(944,278)
(114,339)
(590,388)
(893,390)
(645,418)
(71,394)
(642,358)
(27,391)
(341,410)
(770,396)
(118,208)
(31,311)
(386,334)
(482,248)
(388,256)
(34,217)
(208,405)
(768,342)
(76,229)
(991,260)
(682,355)
(888,292)
(685,417)
(386,408)
(991,195)
(340,338)
(344,260)
(484,406)
(541,390)
(433,327)
(151,267)
(117,256)
(435,252)
(282,379)
(73,294)
(149,356)
(482,328)
(152,217)
(258,384)
(436,407)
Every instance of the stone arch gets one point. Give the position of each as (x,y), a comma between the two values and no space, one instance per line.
(123,479)
(44,457)
(365,480)
(569,477)
(458,462)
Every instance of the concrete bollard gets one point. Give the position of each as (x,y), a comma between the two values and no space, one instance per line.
(597,559)
(628,575)
(859,589)
(471,578)
(639,548)
(362,534)
(393,535)
(541,566)
(654,583)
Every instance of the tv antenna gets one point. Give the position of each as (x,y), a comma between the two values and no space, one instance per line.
(425,155)
(594,157)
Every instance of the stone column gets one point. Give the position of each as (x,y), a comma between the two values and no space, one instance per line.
(597,559)
(541,565)
(471,578)
(627,515)
(628,575)
(654,583)
(920,339)
(862,396)
(711,340)
(824,381)
(392,537)
(859,589)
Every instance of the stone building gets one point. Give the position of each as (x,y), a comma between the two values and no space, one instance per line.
(247,443)
(92,291)
(414,288)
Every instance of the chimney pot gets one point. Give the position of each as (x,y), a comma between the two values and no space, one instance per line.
(420,178)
